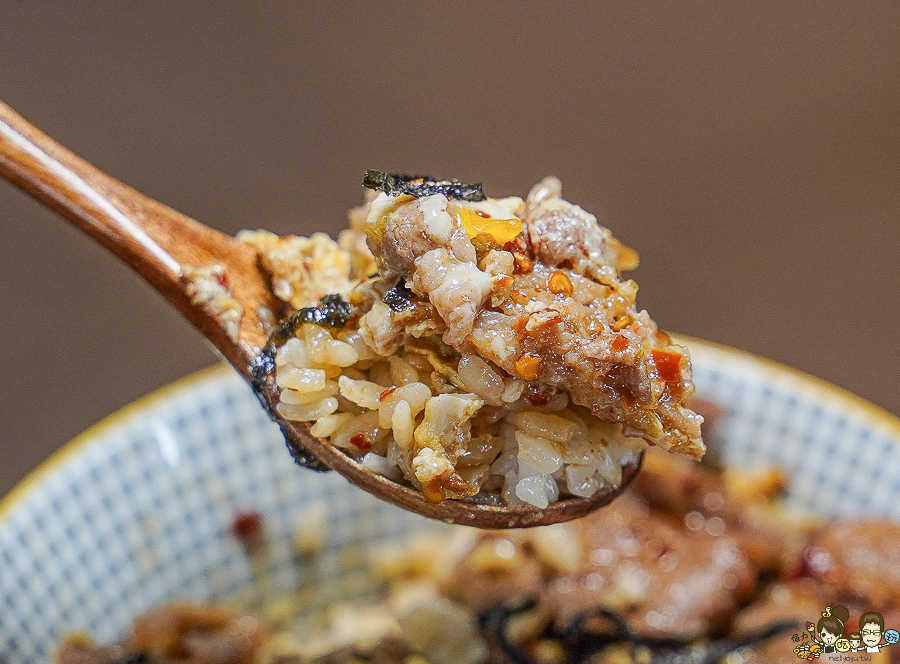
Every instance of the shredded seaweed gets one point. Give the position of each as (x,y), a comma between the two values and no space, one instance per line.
(299,454)
(132,658)
(396,184)
(493,626)
(332,312)
(399,298)
(260,367)
(593,631)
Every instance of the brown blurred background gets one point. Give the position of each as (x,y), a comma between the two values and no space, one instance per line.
(749,151)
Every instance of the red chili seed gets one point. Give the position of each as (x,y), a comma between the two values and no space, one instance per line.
(247,524)
(668,365)
(360,442)
(538,400)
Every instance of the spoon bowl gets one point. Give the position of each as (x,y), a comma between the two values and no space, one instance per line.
(159,243)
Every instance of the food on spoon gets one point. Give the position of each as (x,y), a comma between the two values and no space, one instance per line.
(208,286)
(479,349)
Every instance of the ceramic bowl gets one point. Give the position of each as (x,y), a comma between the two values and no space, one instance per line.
(139,509)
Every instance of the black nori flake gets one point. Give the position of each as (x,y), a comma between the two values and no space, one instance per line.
(132,658)
(399,298)
(396,184)
(333,312)
(580,642)
(299,454)
(260,368)
(493,625)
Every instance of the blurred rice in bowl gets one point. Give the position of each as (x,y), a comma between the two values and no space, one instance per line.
(189,495)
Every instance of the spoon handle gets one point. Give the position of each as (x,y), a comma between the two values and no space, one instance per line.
(117,216)
(155,240)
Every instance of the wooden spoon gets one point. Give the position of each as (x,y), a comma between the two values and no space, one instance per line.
(156,241)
